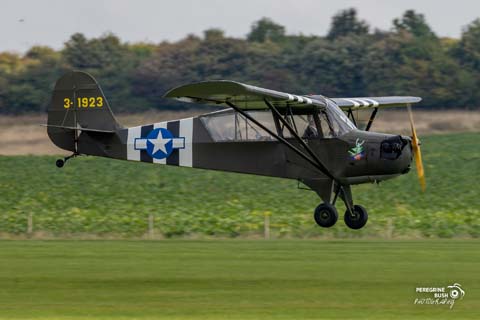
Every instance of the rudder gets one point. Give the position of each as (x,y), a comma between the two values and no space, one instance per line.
(78,102)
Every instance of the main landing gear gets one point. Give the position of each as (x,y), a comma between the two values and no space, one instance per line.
(355,216)
(325,215)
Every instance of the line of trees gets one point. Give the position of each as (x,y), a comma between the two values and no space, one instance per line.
(351,60)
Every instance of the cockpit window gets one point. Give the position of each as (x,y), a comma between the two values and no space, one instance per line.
(303,124)
(229,125)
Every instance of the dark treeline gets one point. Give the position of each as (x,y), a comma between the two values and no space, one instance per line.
(351,60)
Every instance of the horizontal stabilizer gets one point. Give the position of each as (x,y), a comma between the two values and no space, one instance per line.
(76,128)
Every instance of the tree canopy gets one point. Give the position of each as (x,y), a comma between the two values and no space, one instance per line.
(346,23)
(351,60)
(266,30)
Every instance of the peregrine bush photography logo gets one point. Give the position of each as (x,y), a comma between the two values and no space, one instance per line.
(440,295)
(357,153)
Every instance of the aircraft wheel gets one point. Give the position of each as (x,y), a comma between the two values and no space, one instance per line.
(357,219)
(59,163)
(325,215)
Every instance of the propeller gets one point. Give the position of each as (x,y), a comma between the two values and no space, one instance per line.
(416,152)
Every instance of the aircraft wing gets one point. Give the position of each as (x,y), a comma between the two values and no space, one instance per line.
(374,102)
(244,96)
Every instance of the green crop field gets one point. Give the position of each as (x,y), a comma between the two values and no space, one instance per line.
(111,198)
(235,279)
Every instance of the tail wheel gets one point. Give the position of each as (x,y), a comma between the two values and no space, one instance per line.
(325,215)
(59,163)
(356,219)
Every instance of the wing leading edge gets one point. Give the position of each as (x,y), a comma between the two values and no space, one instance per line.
(244,96)
(374,102)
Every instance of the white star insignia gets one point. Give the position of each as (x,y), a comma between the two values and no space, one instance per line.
(159,143)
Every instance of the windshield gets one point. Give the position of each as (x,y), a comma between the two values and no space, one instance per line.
(339,122)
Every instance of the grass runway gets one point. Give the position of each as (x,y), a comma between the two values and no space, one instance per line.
(234,279)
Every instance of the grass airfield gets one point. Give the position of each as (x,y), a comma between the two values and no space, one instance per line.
(351,278)
(235,279)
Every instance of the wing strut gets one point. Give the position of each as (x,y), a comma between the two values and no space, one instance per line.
(300,140)
(318,166)
(372,117)
(350,115)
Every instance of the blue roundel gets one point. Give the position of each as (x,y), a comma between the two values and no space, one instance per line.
(159,143)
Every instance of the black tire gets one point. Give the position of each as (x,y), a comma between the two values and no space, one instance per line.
(59,163)
(358,219)
(325,215)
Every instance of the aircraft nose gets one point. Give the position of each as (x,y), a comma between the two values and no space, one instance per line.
(407,154)
(398,149)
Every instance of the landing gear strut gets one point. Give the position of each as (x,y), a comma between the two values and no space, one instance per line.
(355,217)
(61,162)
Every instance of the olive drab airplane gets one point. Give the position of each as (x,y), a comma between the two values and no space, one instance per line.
(313,139)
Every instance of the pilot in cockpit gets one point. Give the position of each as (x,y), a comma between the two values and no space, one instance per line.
(311,129)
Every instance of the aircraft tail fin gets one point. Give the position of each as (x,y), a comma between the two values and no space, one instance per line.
(78,104)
